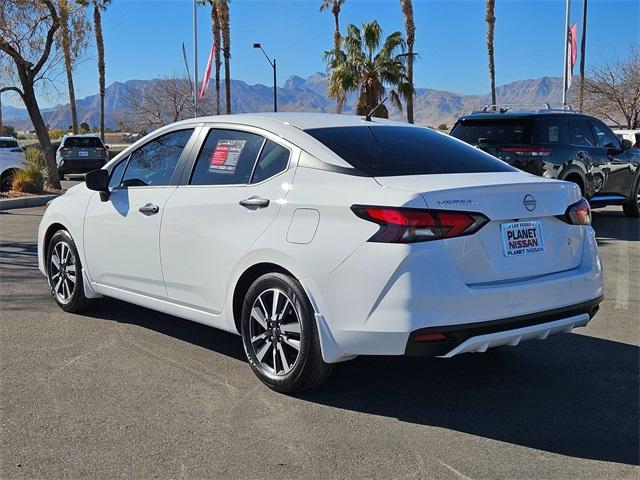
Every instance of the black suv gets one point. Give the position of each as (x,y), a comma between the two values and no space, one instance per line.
(562,144)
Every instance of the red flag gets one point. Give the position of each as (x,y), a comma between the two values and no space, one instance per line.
(572,51)
(207,75)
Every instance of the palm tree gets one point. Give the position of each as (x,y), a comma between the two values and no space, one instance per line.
(367,65)
(225,27)
(98,7)
(410,30)
(65,40)
(215,30)
(335,5)
(491,23)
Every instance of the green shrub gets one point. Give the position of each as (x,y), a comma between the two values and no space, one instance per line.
(31,179)
(34,155)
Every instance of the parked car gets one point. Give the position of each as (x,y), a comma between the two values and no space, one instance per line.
(322,237)
(561,144)
(12,159)
(80,154)
(632,135)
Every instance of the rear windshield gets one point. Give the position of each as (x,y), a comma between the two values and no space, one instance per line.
(498,131)
(83,142)
(8,144)
(381,151)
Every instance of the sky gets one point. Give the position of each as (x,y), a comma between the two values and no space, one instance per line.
(143,39)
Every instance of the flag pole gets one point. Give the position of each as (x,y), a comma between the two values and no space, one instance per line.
(566,52)
(583,45)
(195,58)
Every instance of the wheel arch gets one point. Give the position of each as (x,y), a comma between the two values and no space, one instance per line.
(577,176)
(48,235)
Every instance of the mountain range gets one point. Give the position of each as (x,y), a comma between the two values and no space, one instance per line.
(431,107)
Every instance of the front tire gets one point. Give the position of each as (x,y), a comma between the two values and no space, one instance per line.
(64,272)
(631,208)
(280,335)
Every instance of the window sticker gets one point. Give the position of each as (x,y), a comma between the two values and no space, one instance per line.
(225,156)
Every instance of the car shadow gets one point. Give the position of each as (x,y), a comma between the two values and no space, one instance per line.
(613,225)
(571,394)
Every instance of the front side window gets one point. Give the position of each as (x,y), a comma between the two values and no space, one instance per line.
(581,133)
(227,158)
(155,162)
(380,151)
(273,159)
(604,137)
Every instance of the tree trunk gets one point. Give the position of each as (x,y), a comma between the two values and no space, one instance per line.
(410,28)
(66,48)
(97,26)
(215,28)
(491,21)
(225,24)
(31,103)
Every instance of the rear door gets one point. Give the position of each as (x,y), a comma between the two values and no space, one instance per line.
(122,234)
(227,201)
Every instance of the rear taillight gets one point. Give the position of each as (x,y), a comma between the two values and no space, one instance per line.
(409,225)
(529,151)
(578,214)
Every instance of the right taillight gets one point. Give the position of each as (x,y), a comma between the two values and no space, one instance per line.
(578,213)
(410,225)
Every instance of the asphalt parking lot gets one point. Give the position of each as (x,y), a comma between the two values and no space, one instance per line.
(127,392)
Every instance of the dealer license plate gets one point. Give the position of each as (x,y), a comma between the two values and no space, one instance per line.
(522,238)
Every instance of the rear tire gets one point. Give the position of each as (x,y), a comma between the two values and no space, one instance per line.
(631,208)
(280,335)
(64,272)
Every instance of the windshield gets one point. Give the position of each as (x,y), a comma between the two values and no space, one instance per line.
(394,150)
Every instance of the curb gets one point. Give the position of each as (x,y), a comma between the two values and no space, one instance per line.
(25,202)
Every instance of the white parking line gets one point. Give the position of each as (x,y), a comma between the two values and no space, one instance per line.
(622,276)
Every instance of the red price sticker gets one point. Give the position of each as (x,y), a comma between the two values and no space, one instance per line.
(219,156)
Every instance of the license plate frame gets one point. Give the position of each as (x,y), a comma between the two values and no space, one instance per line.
(522,238)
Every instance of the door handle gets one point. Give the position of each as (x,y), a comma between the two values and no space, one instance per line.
(254,202)
(149,209)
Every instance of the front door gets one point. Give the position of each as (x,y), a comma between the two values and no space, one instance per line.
(121,234)
(211,222)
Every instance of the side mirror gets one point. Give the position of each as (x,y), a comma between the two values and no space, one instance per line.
(98,180)
(626,144)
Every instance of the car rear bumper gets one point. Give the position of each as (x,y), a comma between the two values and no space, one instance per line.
(378,299)
(80,166)
(478,337)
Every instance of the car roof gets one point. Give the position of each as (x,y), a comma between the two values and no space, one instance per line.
(8,138)
(520,114)
(69,135)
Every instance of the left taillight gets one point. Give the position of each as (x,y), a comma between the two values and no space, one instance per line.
(578,213)
(410,225)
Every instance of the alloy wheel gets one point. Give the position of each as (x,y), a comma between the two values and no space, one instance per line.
(62,272)
(274,331)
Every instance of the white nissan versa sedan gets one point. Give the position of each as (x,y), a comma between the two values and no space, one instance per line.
(321,237)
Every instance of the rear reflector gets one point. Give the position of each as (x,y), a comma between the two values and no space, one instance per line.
(578,214)
(529,151)
(429,337)
(409,225)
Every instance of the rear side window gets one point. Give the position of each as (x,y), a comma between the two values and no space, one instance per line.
(581,133)
(390,151)
(83,142)
(155,162)
(8,144)
(227,158)
(273,159)
(507,131)
(550,130)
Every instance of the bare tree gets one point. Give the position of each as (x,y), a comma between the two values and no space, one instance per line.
(612,90)
(27,33)
(160,102)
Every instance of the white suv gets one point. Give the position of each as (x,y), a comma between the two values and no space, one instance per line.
(12,158)
(320,237)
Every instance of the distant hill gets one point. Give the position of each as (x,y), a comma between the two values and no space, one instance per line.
(432,107)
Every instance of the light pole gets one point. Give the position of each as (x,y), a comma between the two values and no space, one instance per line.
(273,65)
